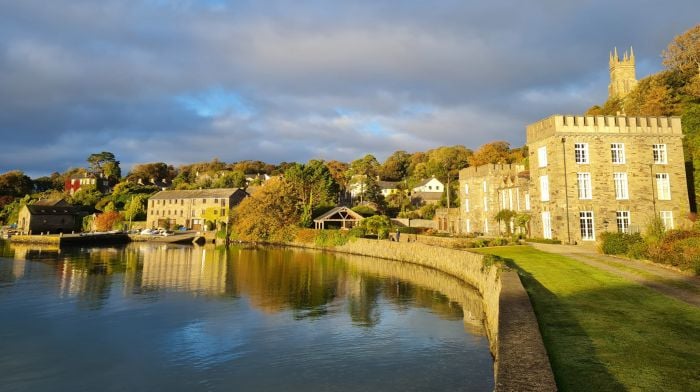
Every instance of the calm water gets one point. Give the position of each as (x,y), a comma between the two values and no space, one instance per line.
(163,317)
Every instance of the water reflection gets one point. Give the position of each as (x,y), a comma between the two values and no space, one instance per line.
(307,284)
(184,317)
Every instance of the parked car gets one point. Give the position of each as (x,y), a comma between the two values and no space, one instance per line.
(148,232)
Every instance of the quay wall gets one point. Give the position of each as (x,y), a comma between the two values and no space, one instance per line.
(520,359)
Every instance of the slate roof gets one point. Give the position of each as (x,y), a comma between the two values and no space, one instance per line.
(53,210)
(51,202)
(219,193)
(388,184)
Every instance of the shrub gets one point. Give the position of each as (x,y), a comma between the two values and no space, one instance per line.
(638,250)
(409,230)
(498,242)
(330,238)
(680,248)
(619,243)
(305,236)
(480,243)
(365,211)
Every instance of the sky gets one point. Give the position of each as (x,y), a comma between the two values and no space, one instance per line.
(182,81)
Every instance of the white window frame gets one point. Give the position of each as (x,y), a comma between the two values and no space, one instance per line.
(617,151)
(486,203)
(466,189)
(544,188)
(585,188)
(621,186)
(623,221)
(546,225)
(469,226)
(660,153)
(581,153)
(527,201)
(667,219)
(483,185)
(486,225)
(542,156)
(466,205)
(663,186)
(587,225)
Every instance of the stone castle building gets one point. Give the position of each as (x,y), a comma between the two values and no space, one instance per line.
(485,190)
(191,208)
(591,174)
(622,74)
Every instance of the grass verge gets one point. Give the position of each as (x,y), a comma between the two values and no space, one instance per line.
(605,333)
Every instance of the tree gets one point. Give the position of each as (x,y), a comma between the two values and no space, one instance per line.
(270,214)
(377,224)
(104,164)
(314,187)
(15,183)
(505,216)
(651,97)
(152,171)
(396,166)
(135,208)
(683,53)
(107,221)
(87,195)
(494,152)
(521,221)
(230,179)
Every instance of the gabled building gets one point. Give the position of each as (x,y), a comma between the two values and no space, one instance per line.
(428,191)
(50,216)
(388,187)
(192,208)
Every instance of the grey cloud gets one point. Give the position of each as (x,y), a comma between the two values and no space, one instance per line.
(85,76)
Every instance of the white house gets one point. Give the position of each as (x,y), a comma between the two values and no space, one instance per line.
(427,191)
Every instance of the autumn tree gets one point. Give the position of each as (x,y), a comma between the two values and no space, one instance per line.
(135,208)
(360,172)
(270,214)
(107,221)
(683,53)
(494,152)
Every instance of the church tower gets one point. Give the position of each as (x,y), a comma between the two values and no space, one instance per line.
(622,74)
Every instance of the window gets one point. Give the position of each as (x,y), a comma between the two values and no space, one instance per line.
(621,192)
(581,153)
(466,205)
(483,184)
(544,188)
(430,187)
(667,219)
(546,225)
(223,212)
(216,201)
(584,185)
(466,189)
(469,226)
(663,186)
(504,200)
(623,221)
(659,154)
(618,153)
(486,203)
(182,213)
(527,201)
(542,156)
(204,201)
(586,221)
(486,226)
(182,202)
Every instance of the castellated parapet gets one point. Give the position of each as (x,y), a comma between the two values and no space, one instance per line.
(642,126)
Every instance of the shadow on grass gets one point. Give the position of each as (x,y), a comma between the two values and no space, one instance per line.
(571,352)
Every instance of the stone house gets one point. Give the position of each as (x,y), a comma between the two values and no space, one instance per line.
(50,216)
(485,190)
(605,173)
(192,208)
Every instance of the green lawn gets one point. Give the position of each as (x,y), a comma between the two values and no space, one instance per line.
(605,333)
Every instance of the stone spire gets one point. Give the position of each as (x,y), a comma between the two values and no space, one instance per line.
(622,74)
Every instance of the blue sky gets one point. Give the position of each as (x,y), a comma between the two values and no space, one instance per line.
(182,81)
